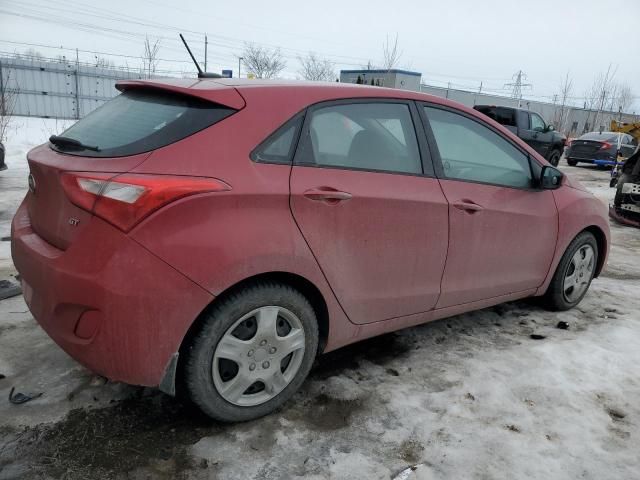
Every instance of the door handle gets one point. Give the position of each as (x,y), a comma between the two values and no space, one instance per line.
(468,206)
(327,194)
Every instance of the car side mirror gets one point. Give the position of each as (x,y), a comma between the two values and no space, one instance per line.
(550,178)
(550,128)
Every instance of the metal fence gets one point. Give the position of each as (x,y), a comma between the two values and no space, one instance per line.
(70,90)
(571,120)
(59,89)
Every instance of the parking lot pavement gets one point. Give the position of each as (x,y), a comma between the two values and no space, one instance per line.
(473,396)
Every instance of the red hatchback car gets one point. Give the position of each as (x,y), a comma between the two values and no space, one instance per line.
(225,232)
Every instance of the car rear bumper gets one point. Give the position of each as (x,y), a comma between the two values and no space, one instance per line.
(595,161)
(107,301)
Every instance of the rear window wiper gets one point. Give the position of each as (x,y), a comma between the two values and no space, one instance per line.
(70,142)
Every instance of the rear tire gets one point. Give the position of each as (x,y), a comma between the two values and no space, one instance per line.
(573,275)
(554,157)
(571,162)
(253,352)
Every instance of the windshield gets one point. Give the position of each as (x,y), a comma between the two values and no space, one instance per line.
(139,121)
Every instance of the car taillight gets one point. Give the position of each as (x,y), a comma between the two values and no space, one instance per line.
(125,199)
(605,146)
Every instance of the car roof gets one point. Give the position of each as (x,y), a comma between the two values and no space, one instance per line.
(208,88)
(500,106)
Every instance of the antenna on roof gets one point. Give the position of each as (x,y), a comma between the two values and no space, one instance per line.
(201,74)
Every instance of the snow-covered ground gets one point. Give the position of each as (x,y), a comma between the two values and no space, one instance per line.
(470,397)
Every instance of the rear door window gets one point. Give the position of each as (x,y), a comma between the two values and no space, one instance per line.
(139,121)
(506,116)
(363,136)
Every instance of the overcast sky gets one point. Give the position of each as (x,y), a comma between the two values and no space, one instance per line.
(462,42)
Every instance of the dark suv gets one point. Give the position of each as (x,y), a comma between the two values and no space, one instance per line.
(531,128)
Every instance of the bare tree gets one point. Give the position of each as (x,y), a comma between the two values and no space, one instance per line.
(315,68)
(263,62)
(390,53)
(596,97)
(102,62)
(369,66)
(31,54)
(625,97)
(150,57)
(8,99)
(566,87)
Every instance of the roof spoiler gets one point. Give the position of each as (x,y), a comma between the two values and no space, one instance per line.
(214,92)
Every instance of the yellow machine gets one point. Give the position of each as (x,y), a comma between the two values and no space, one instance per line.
(632,129)
(626,178)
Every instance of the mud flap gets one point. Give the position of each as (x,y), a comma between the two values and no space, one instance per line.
(168,383)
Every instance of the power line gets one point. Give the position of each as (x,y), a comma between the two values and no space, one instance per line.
(224,42)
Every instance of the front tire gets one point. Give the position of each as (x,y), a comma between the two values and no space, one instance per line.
(574,273)
(253,352)
(571,162)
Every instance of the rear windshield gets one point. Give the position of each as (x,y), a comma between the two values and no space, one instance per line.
(600,137)
(138,121)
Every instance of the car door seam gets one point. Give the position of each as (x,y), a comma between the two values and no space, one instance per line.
(293,217)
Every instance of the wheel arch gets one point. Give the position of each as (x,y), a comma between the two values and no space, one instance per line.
(300,283)
(601,240)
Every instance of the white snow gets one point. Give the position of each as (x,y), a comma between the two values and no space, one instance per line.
(470,397)
(22,135)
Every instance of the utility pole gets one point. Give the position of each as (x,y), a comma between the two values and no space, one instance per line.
(77,86)
(239,60)
(480,89)
(3,97)
(205,52)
